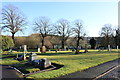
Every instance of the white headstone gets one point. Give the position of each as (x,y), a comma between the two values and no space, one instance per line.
(38,48)
(65,48)
(79,47)
(25,48)
(20,47)
(55,46)
(117,47)
(108,47)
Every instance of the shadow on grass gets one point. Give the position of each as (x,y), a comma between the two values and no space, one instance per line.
(51,54)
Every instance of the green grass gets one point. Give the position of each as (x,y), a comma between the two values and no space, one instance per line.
(8,61)
(73,63)
(32,69)
(70,60)
(19,65)
(26,68)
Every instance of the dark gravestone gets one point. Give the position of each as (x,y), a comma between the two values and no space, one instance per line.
(36,63)
(39,64)
(46,62)
(22,57)
(43,63)
(73,50)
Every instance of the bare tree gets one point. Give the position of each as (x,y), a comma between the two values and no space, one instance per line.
(78,30)
(13,20)
(107,32)
(54,40)
(63,30)
(43,26)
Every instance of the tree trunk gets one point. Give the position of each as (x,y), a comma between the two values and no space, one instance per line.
(43,41)
(63,44)
(77,50)
(108,41)
(77,43)
(13,34)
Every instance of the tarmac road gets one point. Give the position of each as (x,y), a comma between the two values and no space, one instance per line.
(9,73)
(113,74)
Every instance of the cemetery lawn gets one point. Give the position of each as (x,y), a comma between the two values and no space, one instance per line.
(73,63)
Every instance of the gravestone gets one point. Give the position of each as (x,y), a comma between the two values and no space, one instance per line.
(117,47)
(20,47)
(32,57)
(42,63)
(79,47)
(36,63)
(55,46)
(38,48)
(73,50)
(22,57)
(25,48)
(46,62)
(56,50)
(17,56)
(43,49)
(108,47)
(65,48)
(10,51)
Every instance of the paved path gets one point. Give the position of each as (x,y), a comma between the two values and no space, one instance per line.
(9,73)
(91,73)
(113,74)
